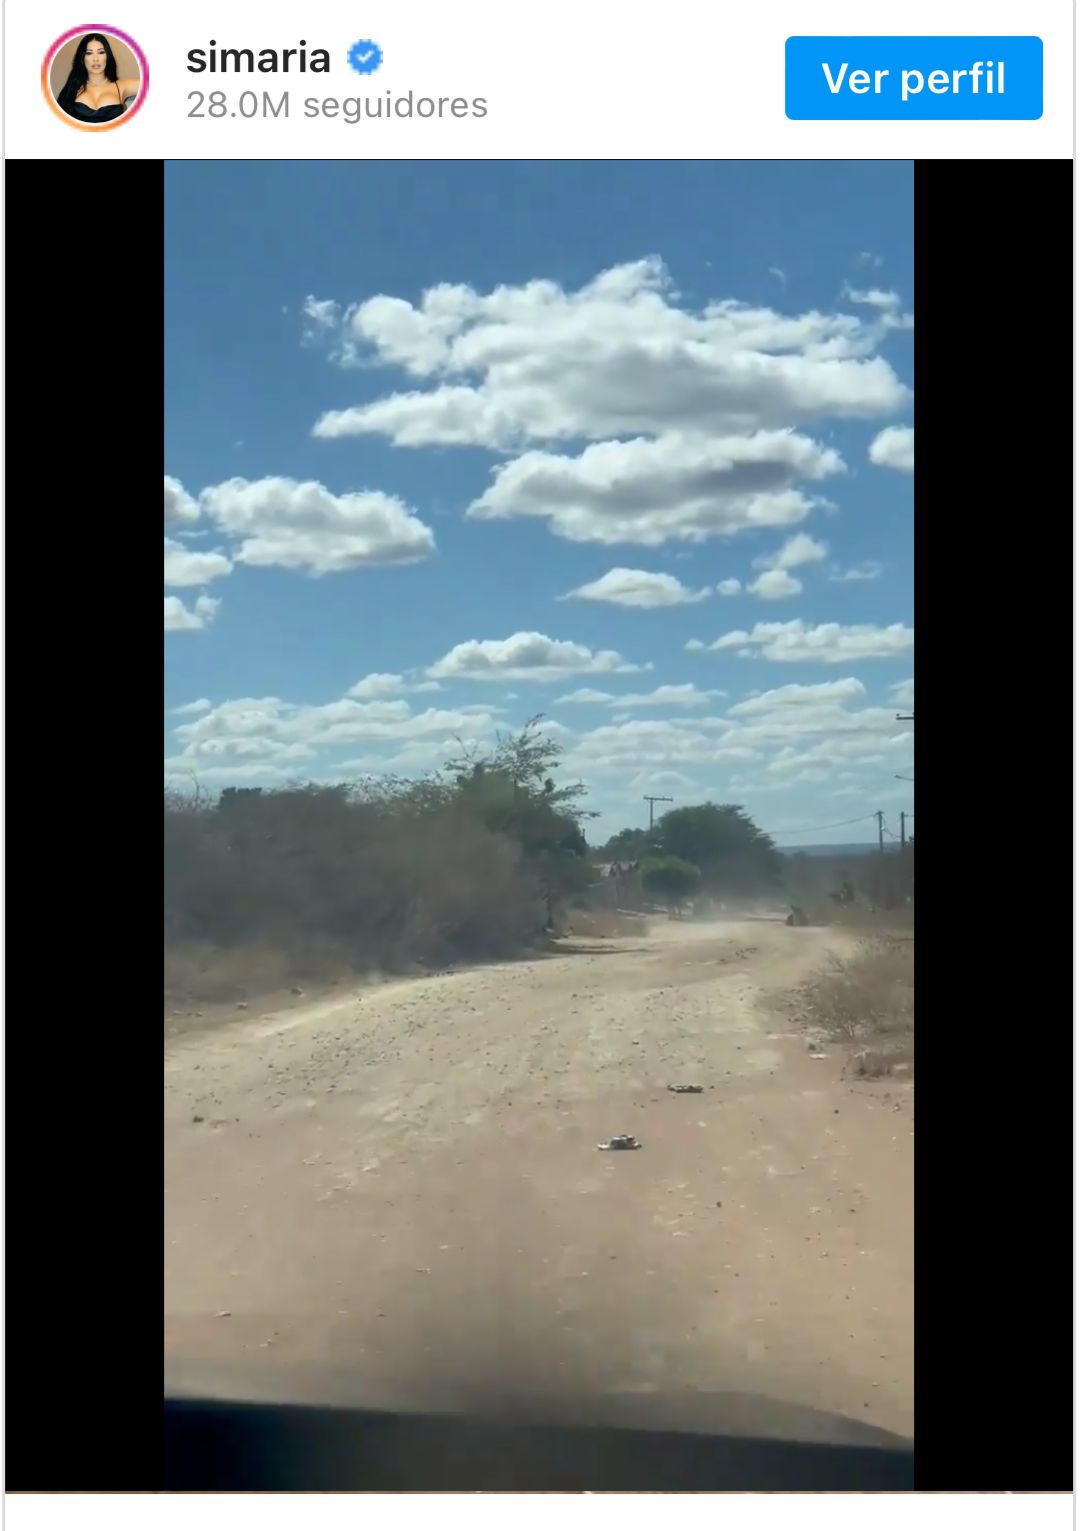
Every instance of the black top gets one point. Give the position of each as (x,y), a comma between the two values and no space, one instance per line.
(212,1446)
(84,113)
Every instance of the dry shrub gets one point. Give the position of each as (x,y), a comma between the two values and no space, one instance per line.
(259,887)
(869,998)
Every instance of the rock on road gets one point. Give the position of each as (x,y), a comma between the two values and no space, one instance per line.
(402,1183)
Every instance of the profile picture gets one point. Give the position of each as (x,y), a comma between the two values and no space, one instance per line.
(95,78)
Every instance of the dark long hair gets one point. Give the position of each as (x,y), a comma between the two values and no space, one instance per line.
(77,75)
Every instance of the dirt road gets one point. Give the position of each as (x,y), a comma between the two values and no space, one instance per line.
(403,1184)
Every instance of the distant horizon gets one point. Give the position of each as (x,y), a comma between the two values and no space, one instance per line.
(848,848)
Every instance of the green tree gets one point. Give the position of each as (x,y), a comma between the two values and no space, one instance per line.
(513,791)
(626,845)
(670,878)
(721,840)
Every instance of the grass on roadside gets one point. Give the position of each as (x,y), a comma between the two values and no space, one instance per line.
(860,916)
(200,973)
(604,924)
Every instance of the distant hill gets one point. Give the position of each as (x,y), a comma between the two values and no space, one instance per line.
(864,849)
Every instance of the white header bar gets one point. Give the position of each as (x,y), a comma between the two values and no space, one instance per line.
(574,80)
(347,1512)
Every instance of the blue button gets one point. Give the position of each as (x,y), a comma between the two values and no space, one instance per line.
(914,79)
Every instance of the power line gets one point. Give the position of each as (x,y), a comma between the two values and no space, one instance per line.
(813,829)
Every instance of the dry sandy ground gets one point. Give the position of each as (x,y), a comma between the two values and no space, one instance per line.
(402,1186)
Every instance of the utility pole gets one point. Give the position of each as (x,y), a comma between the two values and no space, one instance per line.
(652,801)
(879,822)
(901,717)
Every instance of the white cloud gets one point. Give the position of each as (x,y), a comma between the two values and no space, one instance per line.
(656,781)
(280,731)
(887,304)
(793,554)
(279,522)
(792,736)
(894,448)
(619,357)
(687,695)
(637,587)
(179,508)
(729,587)
(789,735)
(269,739)
(774,585)
(826,643)
(793,697)
(383,684)
(525,656)
(873,297)
(848,734)
(191,709)
(584,697)
(870,569)
(346,721)
(321,316)
(184,566)
(376,685)
(643,741)
(902,695)
(179,618)
(862,749)
(240,735)
(650,491)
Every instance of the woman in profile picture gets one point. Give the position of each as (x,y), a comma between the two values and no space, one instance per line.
(93,93)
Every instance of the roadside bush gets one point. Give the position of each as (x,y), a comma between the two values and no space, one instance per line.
(670,878)
(375,876)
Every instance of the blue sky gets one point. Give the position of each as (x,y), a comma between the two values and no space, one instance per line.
(631,445)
